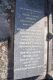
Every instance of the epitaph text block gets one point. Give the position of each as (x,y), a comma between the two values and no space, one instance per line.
(29,39)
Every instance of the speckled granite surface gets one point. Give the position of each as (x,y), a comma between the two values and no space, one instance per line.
(3,60)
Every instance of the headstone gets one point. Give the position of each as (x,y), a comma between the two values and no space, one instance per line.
(3,60)
(4,25)
(29,39)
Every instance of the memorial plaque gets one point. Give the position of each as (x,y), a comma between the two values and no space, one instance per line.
(29,39)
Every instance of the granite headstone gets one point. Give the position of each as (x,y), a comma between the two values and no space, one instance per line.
(29,39)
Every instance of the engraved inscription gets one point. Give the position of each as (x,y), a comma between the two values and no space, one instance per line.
(29,39)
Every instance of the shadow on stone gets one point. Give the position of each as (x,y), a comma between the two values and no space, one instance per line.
(32,78)
(48,77)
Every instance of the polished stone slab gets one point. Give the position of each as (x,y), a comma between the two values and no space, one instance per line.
(29,39)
